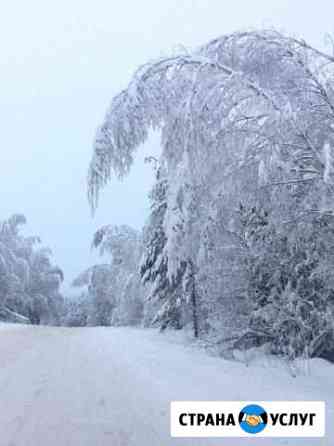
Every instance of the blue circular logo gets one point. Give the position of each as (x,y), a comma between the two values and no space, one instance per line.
(253,419)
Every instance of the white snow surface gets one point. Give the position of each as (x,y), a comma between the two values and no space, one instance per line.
(113,387)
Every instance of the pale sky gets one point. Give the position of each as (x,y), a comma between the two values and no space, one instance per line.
(61,63)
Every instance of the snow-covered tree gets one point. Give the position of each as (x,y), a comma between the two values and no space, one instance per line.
(124,245)
(77,310)
(164,299)
(29,282)
(97,283)
(290,289)
(261,92)
(247,118)
(114,288)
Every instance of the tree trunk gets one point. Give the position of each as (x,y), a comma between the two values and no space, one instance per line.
(193,299)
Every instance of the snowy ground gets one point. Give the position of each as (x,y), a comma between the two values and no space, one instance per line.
(113,386)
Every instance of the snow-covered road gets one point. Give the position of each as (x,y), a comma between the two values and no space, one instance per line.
(113,386)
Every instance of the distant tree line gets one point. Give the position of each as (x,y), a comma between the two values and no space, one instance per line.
(29,281)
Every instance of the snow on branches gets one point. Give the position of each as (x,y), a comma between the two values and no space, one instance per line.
(246,122)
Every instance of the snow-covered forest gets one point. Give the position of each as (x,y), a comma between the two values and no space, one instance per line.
(233,266)
(29,282)
(239,242)
(240,237)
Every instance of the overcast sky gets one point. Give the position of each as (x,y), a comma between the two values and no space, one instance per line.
(61,63)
